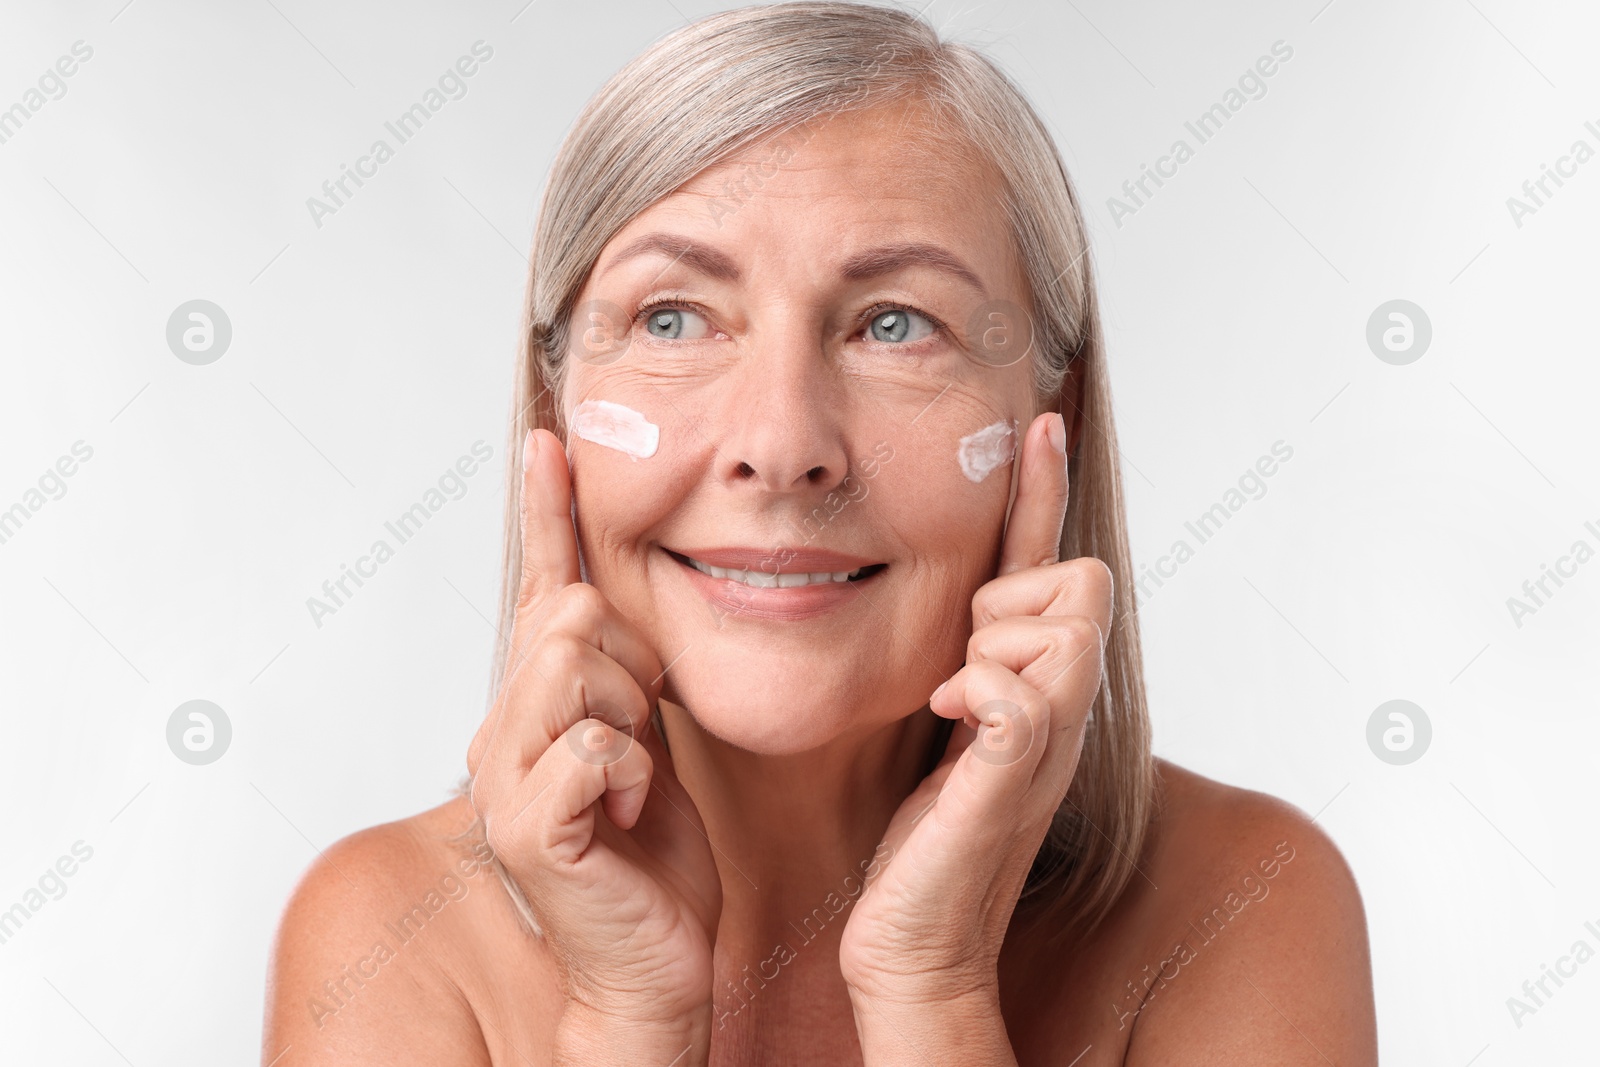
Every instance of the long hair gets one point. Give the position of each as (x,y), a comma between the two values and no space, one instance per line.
(741,77)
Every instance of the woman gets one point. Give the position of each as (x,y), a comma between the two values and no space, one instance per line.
(820,735)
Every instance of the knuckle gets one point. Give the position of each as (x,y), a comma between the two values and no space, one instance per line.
(1092,573)
(638,710)
(1078,635)
(595,743)
(991,641)
(558,655)
(990,675)
(580,602)
(1035,706)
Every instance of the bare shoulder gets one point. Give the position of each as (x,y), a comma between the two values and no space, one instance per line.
(384,947)
(1263,954)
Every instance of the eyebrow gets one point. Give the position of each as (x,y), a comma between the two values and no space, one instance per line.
(871,263)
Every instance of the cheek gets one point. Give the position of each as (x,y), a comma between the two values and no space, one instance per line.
(947,534)
(963,452)
(987,451)
(632,462)
(945,493)
(615,426)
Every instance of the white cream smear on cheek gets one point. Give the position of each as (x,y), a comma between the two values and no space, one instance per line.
(616,426)
(980,453)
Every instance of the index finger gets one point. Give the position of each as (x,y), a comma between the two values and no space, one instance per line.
(1033,533)
(549,539)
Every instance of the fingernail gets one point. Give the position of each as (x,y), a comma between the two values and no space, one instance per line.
(1057,429)
(937,691)
(530,448)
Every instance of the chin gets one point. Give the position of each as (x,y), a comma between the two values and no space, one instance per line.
(769,703)
(758,693)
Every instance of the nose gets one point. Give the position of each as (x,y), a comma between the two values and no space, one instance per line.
(781,419)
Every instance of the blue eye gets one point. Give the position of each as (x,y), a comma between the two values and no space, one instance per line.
(665,323)
(672,322)
(898,325)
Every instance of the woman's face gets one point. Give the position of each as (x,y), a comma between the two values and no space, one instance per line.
(829,334)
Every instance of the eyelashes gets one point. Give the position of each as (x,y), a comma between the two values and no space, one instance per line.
(668,303)
(675,303)
(644,314)
(939,328)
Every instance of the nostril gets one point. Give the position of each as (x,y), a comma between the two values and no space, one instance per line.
(745,470)
(814,473)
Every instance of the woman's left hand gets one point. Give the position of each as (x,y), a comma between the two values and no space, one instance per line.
(928,928)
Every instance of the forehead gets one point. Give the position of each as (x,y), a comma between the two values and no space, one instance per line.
(894,147)
(851,179)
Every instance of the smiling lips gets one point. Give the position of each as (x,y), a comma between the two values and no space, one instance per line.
(781,583)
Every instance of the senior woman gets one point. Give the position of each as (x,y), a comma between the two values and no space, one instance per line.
(819,735)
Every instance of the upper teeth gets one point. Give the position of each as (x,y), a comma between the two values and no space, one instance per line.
(768,580)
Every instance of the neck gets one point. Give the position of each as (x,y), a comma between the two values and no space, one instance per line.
(795,833)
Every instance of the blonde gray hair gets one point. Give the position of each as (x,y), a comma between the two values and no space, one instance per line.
(738,78)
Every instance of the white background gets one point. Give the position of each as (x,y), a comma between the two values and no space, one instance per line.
(370,353)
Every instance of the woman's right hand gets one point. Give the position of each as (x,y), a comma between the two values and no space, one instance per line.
(629,900)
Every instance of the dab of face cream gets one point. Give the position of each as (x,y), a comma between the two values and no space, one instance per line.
(980,453)
(616,426)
